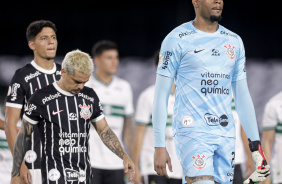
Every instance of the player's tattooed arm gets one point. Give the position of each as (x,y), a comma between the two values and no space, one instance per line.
(109,138)
(129,134)
(21,146)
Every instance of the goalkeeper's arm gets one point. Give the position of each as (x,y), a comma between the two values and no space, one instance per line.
(246,112)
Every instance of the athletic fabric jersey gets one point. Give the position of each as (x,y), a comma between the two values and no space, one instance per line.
(203,66)
(272,120)
(240,156)
(143,116)
(24,83)
(117,102)
(64,120)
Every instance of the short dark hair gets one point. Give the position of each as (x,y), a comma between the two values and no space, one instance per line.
(35,27)
(102,46)
(156,57)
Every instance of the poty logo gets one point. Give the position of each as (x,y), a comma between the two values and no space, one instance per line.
(51,97)
(32,75)
(213,120)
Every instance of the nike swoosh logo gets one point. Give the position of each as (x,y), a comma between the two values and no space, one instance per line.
(54,113)
(196,51)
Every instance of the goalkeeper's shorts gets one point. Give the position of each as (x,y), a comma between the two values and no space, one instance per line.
(203,154)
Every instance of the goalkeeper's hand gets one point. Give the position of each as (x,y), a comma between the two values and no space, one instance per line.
(262,170)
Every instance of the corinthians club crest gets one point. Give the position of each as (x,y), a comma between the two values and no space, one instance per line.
(230,51)
(199,162)
(85,111)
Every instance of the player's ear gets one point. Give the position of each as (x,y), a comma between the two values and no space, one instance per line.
(63,72)
(195,3)
(31,45)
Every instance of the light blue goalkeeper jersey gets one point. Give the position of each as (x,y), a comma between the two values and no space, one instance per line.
(203,66)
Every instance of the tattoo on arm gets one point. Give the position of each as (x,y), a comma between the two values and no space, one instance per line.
(198,178)
(21,146)
(111,141)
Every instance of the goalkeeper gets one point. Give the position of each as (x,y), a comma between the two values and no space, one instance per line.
(207,61)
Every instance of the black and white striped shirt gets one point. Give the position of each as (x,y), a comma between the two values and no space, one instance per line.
(24,83)
(64,120)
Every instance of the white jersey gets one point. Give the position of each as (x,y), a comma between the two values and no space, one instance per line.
(272,120)
(143,116)
(117,102)
(240,155)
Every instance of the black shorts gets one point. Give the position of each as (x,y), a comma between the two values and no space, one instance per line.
(238,177)
(103,176)
(156,179)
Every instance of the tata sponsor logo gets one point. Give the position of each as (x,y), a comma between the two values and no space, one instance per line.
(51,97)
(213,120)
(73,175)
(31,76)
(186,33)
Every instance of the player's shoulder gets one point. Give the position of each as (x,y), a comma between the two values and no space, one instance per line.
(44,94)
(228,33)
(182,31)
(24,70)
(275,100)
(121,82)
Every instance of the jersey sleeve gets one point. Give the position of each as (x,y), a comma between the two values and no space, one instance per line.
(129,110)
(143,110)
(97,114)
(32,113)
(16,92)
(240,64)
(270,119)
(169,58)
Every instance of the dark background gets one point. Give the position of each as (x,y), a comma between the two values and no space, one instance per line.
(138,26)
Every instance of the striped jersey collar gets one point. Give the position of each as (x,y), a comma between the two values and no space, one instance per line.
(61,90)
(37,67)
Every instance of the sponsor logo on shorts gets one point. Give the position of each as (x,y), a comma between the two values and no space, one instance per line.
(213,120)
(230,51)
(199,162)
(73,175)
(54,175)
(187,121)
(30,156)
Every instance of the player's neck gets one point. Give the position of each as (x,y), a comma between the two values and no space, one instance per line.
(104,77)
(205,25)
(47,64)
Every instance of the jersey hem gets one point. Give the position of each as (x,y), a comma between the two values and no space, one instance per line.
(30,120)
(19,106)
(98,118)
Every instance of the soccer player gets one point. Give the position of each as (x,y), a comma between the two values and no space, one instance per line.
(272,136)
(40,72)
(144,146)
(64,112)
(116,99)
(206,61)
